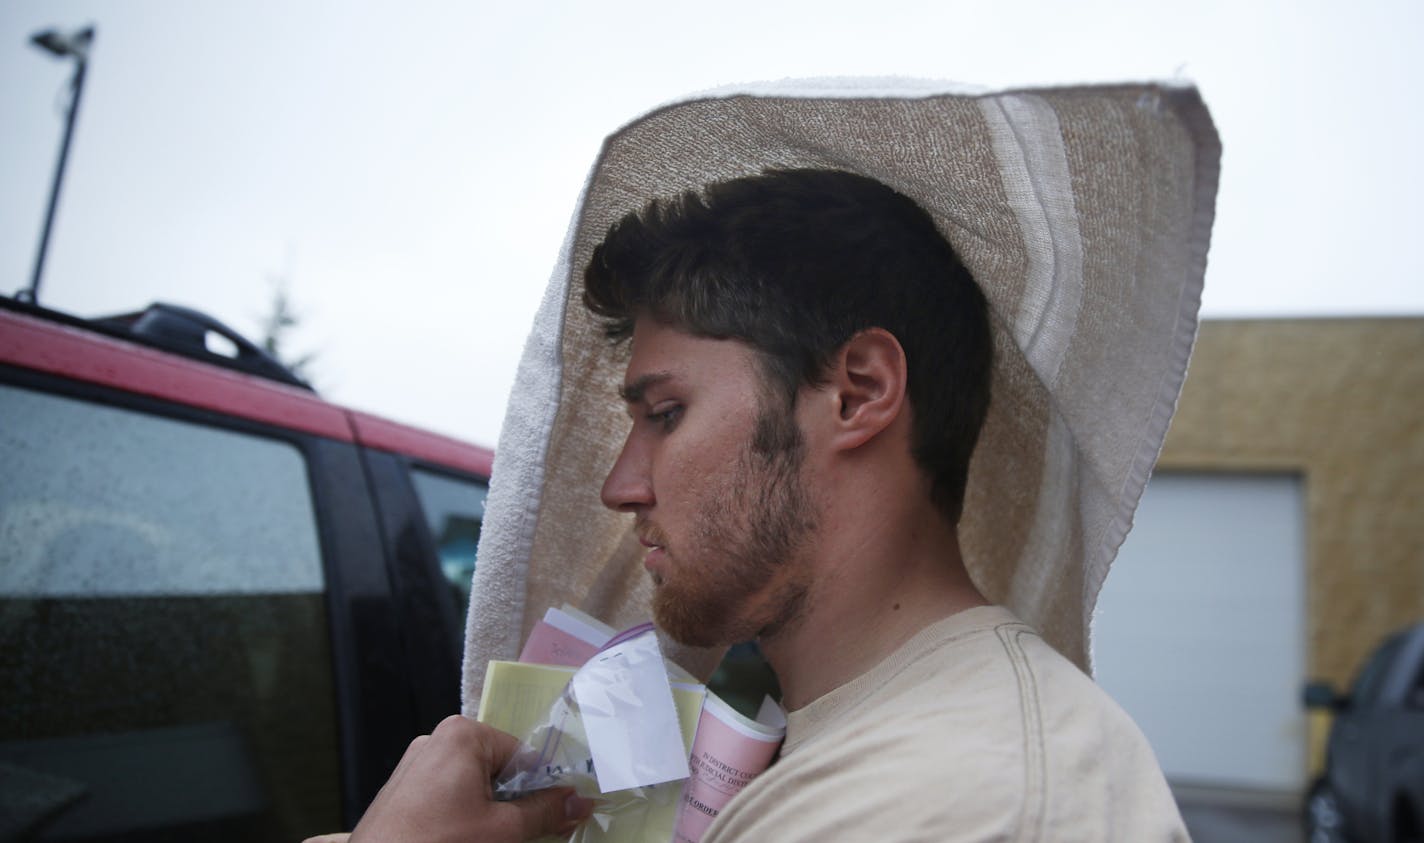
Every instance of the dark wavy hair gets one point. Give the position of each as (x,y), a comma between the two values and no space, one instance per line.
(796,262)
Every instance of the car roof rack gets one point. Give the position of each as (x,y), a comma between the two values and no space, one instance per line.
(176,329)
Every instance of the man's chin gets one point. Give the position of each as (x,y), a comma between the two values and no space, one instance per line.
(687,635)
(691,627)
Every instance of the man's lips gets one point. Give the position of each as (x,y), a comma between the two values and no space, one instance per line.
(656,551)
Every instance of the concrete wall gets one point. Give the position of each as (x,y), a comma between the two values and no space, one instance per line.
(1340,401)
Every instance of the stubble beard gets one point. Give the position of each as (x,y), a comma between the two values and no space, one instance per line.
(751,535)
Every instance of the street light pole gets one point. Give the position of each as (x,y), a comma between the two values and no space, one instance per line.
(76,46)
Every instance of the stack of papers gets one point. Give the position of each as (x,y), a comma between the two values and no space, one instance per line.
(662,774)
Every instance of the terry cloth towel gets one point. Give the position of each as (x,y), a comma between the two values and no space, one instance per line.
(1083,212)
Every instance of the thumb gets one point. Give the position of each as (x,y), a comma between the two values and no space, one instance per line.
(554,811)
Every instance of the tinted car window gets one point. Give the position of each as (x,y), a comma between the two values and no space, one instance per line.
(164,653)
(1373,675)
(454,510)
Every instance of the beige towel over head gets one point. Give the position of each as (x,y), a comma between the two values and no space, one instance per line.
(1083,212)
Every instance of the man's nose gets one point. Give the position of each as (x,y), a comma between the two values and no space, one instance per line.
(628,486)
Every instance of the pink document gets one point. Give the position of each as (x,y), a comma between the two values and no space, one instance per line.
(548,644)
(729,751)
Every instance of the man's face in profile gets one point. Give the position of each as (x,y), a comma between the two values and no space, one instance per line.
(726,522)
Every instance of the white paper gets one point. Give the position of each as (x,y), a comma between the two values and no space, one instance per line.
(629,718)
(772,715)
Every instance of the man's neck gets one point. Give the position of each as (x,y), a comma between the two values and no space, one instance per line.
(882,578)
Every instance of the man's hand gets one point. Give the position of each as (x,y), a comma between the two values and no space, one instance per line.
(441,791)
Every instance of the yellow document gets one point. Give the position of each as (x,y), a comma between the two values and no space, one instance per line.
(517,698)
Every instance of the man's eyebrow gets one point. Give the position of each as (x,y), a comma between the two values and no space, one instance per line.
(632,392)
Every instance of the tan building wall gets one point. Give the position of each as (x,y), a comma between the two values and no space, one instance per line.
(1341,402)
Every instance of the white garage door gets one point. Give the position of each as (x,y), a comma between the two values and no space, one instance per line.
(1200,630)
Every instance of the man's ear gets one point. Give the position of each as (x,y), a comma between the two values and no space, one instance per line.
(868,379)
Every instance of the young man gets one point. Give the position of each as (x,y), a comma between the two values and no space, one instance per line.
(809,373)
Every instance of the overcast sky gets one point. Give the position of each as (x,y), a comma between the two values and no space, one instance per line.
(410,168)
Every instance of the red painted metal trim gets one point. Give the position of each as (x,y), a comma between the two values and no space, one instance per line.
(386,435)
(94,358)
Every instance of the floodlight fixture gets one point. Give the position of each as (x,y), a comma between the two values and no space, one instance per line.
(74,44)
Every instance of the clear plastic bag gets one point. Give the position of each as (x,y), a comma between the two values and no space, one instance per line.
(617,709)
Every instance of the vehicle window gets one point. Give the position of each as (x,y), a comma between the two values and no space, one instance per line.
(1372,676)
(1414,691)
(163,638)
(1414,697)
(454,510)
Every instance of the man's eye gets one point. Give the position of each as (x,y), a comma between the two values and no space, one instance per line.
(666,417)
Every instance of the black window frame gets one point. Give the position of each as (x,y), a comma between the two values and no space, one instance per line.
(432,626)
